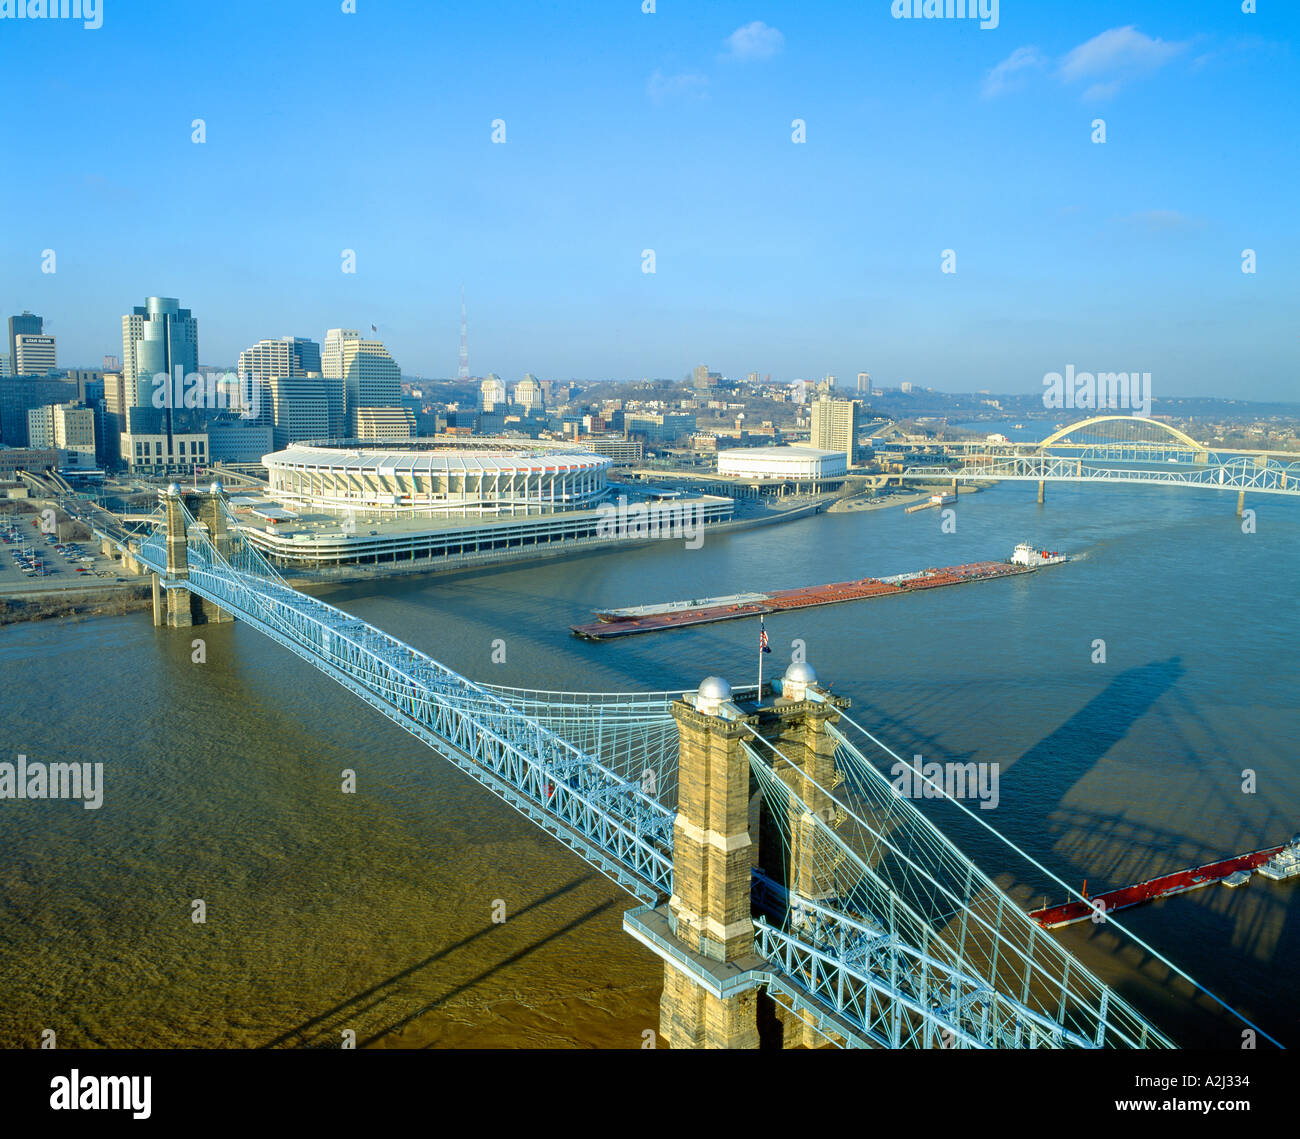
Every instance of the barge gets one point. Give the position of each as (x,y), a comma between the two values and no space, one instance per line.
(626,622)
(1275,862)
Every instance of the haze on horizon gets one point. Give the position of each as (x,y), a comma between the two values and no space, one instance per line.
(673,132)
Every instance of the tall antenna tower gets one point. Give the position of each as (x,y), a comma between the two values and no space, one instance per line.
(463,372)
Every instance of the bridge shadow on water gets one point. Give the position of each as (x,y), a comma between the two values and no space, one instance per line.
(1186,809)
(380,1000)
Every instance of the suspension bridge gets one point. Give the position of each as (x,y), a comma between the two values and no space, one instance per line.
(1118,449)
(790,890)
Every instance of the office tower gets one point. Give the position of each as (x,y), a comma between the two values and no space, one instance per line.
(752,379)
(528,394)
(28,323)
(358,373)
(287,356)
(331,371)
(864,384)
(64,427)
(116,401)
(371,379)
(5,368)
(492,394)
(158,337)
(34,354)
(835,426)
(905,386)
(40,427)
(700,377)
(299,409)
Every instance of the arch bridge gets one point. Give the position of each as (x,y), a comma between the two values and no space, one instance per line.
(1122,449)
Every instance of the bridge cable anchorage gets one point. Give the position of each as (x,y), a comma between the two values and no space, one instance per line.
(960,985)
(870,771)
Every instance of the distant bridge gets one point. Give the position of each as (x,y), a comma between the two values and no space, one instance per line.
(1118,449)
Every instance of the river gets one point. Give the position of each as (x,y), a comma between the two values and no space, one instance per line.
(372,913)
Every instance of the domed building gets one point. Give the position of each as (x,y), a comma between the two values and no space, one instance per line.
(528,394)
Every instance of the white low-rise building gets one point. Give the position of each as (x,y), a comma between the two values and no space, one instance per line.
(801,463)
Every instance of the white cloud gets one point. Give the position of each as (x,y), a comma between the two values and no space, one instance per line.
(1118,54)
(685,85)
(754,41)
(1004,77)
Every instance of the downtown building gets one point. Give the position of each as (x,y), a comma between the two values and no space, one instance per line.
(27,323)
(34,355)
(358,374)
(68,428)
(159,338)
(835,426)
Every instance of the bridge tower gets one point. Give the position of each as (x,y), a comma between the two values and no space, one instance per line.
(177,608)
(183,608)
(723,831)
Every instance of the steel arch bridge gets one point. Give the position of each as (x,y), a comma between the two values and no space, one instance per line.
(1127,449)
(904,942)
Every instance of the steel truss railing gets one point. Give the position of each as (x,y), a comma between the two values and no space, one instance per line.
(902,939)
(869,956)
(1241,473)
(602,816)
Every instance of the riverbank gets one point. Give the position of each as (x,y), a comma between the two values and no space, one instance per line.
(106,601)
(878,502)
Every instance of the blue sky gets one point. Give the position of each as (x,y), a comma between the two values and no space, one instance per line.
(669,131)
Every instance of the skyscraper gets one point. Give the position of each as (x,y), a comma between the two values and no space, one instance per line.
(864,384)
(34,354)
(492,393)
(26,323)
(287,356)
(159,337)
(835,426)
(331,370)
(363,374)
(528,394)
(299,408)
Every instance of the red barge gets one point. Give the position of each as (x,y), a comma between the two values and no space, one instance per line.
(676,614)
(1053,917)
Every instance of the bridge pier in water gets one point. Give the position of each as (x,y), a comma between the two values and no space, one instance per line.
(1241,503)
(724,830)
(1042,490)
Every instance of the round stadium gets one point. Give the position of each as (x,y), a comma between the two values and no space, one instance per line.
(453,483)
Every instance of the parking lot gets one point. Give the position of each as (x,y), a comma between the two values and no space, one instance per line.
(30,562)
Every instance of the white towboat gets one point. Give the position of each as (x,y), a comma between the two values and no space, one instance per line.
(1027,555)
(1285,863)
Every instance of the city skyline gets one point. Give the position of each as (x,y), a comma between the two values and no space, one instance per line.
(672,132)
